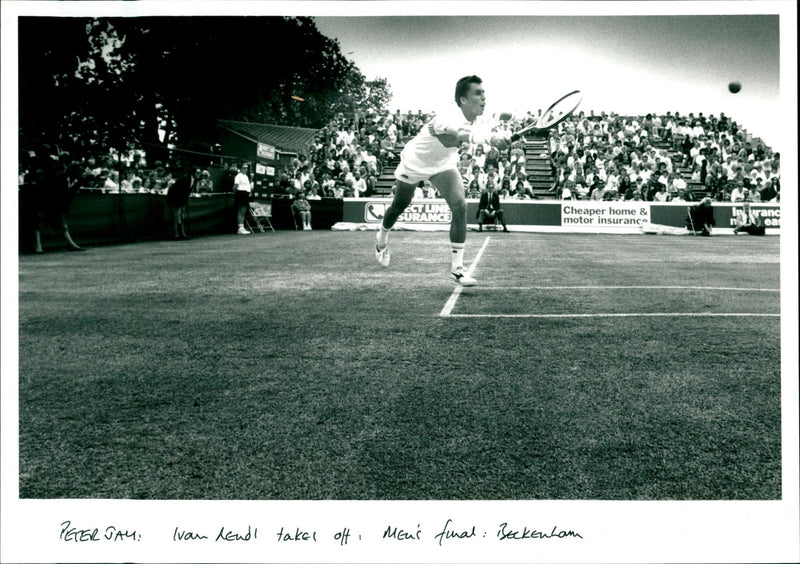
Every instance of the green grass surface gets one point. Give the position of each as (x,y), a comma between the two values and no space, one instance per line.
(290,365)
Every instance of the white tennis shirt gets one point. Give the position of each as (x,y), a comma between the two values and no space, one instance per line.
(435,147)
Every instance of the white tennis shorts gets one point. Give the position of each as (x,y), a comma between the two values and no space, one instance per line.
(408,175)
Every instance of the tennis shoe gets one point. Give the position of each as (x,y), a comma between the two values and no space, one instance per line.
(382,255)
(460,276)
(243,231)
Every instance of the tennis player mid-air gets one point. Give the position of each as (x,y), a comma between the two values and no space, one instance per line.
(433,155)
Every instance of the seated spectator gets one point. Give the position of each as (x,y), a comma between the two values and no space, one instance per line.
(636,191)
(492,158)
(749,222)
(111,183)
(581,191)
(771,192)
(625,183)
(489,208)
(505,187)
(737,194)
(349,191)
(301,207)
(680,196)
(465,164)
(203,184)
(359,185)
(127,183)
(700,219)
(338,188)
(597,191)
(661,195)
(479,157)
(479,176)
(327,183)
(522,192)
(651,188)
(612,180)
(473,189)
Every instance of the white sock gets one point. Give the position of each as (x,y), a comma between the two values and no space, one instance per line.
(457,255)
(382,236)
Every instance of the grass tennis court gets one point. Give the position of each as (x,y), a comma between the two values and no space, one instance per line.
(290,365)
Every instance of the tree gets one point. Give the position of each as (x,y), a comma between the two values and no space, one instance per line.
(124,82)
(376,97)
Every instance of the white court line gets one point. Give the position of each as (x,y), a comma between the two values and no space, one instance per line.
(451,302)
(568,315)
(707,288)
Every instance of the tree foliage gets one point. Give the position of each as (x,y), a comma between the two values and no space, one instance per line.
(93,84)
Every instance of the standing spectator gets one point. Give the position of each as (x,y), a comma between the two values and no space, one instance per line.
(53,192)
(178,201)
(226,181)
(242,189)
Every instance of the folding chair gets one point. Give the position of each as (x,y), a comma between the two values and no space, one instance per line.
(258,215)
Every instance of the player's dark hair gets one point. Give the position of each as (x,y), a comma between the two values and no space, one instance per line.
(462,86)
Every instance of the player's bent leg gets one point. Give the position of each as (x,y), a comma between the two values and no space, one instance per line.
(451,188)
(403,194)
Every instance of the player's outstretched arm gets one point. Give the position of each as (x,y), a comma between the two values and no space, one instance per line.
(476,136)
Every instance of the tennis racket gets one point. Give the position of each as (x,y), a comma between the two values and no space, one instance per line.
(558,111)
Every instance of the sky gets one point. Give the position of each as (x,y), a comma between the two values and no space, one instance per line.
(625,64)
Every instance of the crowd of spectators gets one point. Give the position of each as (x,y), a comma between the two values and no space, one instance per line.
(598,157)
(661,158)
(103,175)
(666,157)
(348,155)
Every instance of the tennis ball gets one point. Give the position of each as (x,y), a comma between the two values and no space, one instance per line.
(734,87)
